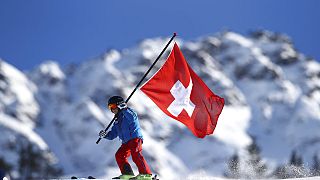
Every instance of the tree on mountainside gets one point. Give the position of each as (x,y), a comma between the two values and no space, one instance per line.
(257,167)
(293,169)
(34,163)
(5,167)
(233,167)
(295,159)
(316,166)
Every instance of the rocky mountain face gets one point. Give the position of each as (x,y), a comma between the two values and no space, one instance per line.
(271,118)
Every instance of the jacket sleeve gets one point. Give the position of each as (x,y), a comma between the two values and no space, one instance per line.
(112,134)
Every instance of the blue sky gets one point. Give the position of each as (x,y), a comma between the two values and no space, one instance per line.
(71,31)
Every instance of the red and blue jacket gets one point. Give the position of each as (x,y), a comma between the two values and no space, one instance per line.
(126,126)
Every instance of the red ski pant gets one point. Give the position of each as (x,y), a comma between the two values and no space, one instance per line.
(134,148)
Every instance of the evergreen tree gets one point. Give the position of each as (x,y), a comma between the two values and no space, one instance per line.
(233,167)
(281,172)
(4,165)
(255,162)
(316,166)
(293,169)
(295,160)
(34,164)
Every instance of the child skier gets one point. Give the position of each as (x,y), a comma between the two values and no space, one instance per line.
(127,128)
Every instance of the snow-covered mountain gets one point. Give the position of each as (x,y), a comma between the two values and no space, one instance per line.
(272,95)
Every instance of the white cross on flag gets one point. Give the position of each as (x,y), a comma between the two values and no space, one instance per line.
(180,93)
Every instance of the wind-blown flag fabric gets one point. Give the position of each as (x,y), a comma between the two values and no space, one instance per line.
(181,94)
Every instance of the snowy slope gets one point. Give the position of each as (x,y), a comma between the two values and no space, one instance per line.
(272,95)
(18,118)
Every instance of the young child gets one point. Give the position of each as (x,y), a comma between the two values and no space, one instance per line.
(127,128)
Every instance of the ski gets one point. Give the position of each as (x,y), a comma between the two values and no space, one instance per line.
(137,178)
(144,178)
(89,177)
(123,178)
(127,177)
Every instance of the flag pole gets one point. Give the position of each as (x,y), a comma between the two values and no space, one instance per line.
(139,83)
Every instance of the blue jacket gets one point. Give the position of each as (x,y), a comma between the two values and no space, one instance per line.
(126,126)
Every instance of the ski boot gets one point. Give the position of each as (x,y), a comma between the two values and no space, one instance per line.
(142,177)
(124,176)
(127,174)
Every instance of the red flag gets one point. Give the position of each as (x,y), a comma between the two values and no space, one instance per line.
(180,93)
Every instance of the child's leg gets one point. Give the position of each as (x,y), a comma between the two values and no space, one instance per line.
(137,157)
(122,160)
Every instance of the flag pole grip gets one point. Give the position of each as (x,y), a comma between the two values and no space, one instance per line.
(97,142)
(144,76)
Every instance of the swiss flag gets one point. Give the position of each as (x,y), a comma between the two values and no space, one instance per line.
(180,93)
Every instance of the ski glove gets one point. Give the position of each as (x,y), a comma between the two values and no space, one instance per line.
(102,133)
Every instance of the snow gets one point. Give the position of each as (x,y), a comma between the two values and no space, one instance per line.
(152,47)
(232,125)
(256,51)
(26,131)
(52,69)
(19,94)
(18,83)
(288,52)
(203,176)
(312,68)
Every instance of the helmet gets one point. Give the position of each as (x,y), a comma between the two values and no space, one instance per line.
(115,100)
